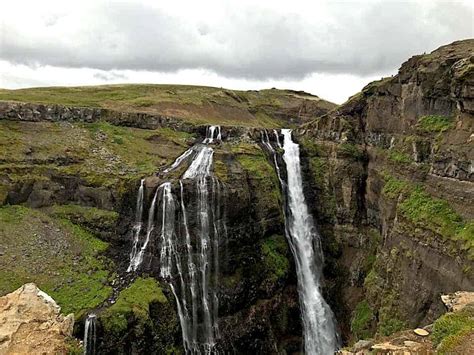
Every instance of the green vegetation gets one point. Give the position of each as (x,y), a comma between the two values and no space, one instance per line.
(394,187)
(436,214)
(351,151)
(399,157)
(452,328)
(435,123)
(274,250)
(388,326)
(262,174)
(195,104)
(431,213)
(133,304)
(60,257)
(361,321)
(101,154)
(93,219)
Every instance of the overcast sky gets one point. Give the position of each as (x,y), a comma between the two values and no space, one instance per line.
(331,49)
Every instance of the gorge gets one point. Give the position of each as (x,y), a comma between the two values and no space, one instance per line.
(181,219)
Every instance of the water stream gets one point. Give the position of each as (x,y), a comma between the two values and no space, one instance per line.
(188,247)
(90,334)
(319,329)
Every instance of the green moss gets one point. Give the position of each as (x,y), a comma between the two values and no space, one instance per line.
(132,305)
(435,123)
(312,148)
(93,219)
(100,154)
(399,157)
(254,162)
(274,251)
(394,187)
(74,347)
(361,321)
(429,212)
(60,257)
(388,326)
(451,328)
(436,214)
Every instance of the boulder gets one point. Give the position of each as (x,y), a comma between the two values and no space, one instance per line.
(31,323)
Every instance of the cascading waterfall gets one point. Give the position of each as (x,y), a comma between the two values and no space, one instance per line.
(137,258)
(137,227)
(90,334)
(189,257)
(319,329)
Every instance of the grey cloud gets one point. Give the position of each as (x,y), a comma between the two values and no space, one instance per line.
(255,44)
(109,75)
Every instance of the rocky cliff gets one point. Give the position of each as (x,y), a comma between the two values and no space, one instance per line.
(388,176)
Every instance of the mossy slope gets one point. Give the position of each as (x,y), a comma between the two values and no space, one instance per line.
(63,259)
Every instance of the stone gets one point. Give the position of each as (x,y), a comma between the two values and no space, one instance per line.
(458,300)
(421,332)
(31,323)
(362,345)
(411,344)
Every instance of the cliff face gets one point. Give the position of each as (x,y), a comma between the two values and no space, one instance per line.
(69,178)
(397,160)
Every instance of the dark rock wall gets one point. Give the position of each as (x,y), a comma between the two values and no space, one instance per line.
(410,132)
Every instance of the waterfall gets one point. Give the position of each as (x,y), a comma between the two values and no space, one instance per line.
(319,329)
(137,227)
(137,258)
(210,134)
(90,334)
(188,252)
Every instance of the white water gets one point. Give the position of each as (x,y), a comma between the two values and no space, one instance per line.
(319,328)
(90,334)
(210,134)
(188,253)
(179,160)
(137,259)
(137,227)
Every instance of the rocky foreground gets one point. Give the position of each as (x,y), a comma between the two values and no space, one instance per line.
(31,323)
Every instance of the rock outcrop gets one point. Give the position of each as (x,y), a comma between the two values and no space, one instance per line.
(390,178)
(31,323)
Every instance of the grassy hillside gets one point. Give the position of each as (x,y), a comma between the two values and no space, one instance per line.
(197,104)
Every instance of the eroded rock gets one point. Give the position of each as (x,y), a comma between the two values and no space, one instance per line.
(31,323)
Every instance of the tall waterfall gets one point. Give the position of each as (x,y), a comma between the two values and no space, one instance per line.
(319,329)
(188,247)
(90,334)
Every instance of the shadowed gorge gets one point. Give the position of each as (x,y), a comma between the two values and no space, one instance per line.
(185,220)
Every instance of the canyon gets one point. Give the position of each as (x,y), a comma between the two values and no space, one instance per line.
(164,217)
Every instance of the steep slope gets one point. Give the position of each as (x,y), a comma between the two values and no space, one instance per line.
(392,188)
